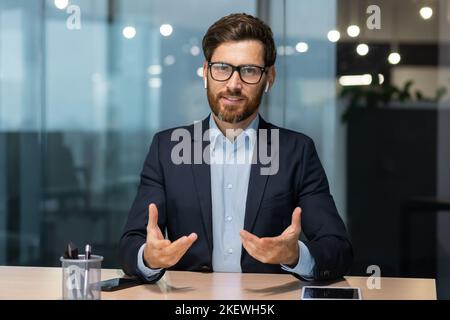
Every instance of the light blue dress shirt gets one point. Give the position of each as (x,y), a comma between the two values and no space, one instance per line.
(230,163)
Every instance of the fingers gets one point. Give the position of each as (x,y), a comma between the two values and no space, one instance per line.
(296,219)
(265,243)
(152,216)
(251,249)
(258,248)
(187,244)
(160,252)
(171,254)
(248,236)
(275,250)
(252,242)
(193,236)
(164,253)
(296,216)
(153,231)
(180,246)
(294,229)
(159,244)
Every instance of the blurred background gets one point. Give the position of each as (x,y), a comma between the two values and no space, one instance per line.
(85,84)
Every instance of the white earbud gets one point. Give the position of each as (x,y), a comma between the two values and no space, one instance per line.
(206,83)
(267,87)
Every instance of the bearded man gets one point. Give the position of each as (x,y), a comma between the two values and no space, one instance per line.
(224,215)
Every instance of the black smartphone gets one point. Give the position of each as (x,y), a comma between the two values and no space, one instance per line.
(119,283)
(330,293)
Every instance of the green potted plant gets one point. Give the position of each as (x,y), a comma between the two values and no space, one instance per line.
(380,96)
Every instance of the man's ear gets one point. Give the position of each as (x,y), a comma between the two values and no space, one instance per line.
(271,73)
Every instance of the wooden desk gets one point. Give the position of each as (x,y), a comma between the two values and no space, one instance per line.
(45,283)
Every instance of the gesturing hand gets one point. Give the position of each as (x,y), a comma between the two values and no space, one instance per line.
(282,249)
(160,252)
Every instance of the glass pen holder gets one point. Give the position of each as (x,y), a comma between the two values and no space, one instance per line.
(81,278)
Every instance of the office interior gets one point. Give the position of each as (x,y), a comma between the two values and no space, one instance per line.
(84,85)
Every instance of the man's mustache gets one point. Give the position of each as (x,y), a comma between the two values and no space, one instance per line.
(232,95)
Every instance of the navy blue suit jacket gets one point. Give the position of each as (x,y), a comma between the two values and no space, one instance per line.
(182,194)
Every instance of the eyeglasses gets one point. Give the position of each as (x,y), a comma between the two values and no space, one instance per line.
(249,74)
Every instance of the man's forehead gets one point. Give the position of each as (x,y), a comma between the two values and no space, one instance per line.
(240,52)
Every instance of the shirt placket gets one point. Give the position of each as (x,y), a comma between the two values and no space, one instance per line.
(229,186)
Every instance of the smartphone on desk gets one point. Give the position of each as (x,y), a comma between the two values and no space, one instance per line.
(119,283)
(330,293)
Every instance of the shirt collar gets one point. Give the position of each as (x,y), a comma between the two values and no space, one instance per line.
(250,131)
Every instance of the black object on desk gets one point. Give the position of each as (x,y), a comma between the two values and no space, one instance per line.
(119,283)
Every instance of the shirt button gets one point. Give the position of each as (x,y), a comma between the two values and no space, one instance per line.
(230,251)
(229,218)
(229,186)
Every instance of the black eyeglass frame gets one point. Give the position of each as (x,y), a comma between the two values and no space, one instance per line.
(238,69)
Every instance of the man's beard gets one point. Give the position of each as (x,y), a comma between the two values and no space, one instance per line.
(233,114)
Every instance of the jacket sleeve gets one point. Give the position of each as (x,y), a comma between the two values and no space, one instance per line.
(328,241)
(150,190)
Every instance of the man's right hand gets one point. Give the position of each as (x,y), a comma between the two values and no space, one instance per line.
(160,252)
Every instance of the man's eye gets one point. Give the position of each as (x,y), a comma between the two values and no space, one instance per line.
(222,67)
(250,71)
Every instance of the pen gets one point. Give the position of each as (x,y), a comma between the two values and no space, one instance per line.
(87,256)
(87,251)
(71,251)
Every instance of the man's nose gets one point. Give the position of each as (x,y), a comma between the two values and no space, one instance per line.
(235,82)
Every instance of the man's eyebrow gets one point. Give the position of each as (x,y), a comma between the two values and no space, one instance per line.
(239,65)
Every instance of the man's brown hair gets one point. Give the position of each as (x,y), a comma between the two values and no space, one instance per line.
(237,27)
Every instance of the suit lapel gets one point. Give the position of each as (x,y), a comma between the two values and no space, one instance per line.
(257,183)
(202,178)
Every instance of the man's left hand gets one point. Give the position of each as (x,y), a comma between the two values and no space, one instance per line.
(282,249)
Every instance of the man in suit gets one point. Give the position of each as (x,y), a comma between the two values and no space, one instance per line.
(198,209)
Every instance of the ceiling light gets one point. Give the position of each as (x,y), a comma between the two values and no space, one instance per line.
(129,32)
(166,30)
(301,47)
(394,58)
(426,13)
(334,35)
(362,49)
(353,31)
